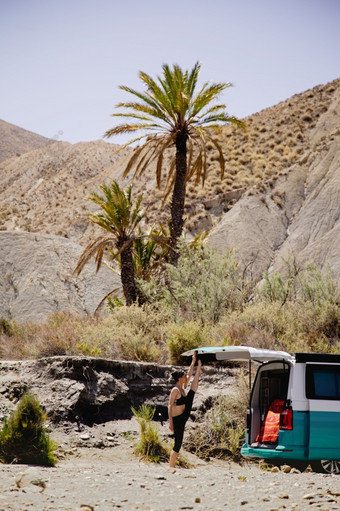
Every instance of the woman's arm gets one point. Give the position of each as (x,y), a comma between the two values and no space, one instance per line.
(172,398)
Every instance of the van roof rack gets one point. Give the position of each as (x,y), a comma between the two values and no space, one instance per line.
(317,357)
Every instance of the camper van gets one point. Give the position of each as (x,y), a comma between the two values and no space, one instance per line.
(294,408)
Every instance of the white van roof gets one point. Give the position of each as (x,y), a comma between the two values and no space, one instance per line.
(240,353)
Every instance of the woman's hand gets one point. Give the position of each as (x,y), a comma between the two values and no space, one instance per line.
(171,426)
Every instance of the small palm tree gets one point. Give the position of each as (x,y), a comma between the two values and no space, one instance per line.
(150,252)
(173,114)
(120,218)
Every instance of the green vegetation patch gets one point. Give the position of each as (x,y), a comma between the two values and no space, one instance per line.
(23,438)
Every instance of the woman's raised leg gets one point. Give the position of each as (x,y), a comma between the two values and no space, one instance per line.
(199,371)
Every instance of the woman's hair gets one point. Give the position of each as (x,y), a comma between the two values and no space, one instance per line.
(177,375)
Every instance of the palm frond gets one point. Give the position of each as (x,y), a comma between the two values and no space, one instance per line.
(97,245)
(192,79)
(155,93)
(146,97)
(221,158)
(136,154)
(170,180)
(168,141)
(116,290)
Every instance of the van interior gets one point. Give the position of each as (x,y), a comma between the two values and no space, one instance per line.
(269,397)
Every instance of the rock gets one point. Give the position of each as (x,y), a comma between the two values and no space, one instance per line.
(310,496)
(31,476)
(19,140)
(286,468)
(37,278)
(283,496)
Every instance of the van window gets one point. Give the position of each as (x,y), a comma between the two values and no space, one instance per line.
(323,381)
(273,385)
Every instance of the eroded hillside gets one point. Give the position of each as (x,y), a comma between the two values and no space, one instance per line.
(46,190)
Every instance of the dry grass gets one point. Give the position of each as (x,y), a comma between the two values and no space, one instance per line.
(220,433)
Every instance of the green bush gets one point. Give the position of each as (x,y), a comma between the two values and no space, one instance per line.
(317,286)
(149,446)
(308,284)
(6,328)
(23,438)
(202,286)
(296,311)
(274,288)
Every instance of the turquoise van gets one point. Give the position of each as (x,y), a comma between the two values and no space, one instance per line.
(294,409)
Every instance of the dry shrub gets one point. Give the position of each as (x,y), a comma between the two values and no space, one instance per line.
(184,337)
(130,333)
(33,340)
(240,333)
(221,433)
(294,326)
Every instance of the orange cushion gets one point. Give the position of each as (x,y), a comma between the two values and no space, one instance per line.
(269,431)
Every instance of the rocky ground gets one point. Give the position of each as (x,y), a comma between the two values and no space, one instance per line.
(97,468)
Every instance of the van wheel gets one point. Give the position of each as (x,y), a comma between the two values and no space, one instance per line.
(326,466)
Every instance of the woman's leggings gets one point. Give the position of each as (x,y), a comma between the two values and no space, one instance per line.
(180,421)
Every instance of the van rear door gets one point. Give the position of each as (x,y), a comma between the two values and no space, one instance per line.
(238,353)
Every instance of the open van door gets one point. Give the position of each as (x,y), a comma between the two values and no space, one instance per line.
(238,353)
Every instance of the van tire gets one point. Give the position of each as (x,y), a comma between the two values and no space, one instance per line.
(326,466)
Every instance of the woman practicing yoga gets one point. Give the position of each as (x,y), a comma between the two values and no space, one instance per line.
(180,404)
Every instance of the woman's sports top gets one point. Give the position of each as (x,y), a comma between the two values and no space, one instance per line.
(181,400)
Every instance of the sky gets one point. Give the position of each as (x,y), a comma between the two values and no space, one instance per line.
(61,62)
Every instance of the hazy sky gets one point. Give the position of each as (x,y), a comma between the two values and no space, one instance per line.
(62,61)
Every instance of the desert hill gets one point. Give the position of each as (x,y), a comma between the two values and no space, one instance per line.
(280,195)
(16,141)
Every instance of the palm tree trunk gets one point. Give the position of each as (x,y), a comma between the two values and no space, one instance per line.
(178,197)
(127,274)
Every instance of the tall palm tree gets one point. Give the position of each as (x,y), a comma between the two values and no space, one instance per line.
(172,113)
(120,218)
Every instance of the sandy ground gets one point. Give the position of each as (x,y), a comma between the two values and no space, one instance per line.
(111,477)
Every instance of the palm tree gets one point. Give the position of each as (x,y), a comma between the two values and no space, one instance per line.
(172,114)
(149,252)
(120,218)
